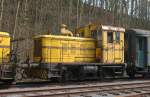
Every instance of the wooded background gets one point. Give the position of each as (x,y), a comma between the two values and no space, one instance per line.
(25,18)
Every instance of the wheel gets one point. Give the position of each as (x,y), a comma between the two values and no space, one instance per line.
(65,77)
(131,75)
(20,74)
(101,74)
(131,71)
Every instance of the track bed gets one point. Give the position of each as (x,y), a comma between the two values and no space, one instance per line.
(128,88)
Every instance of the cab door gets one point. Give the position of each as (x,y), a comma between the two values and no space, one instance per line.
(107,47)
(118,47)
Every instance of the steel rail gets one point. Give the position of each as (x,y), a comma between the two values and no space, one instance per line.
(58,91)
(67,93)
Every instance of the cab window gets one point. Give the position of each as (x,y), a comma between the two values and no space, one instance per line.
(117,36)
(37,48)
(94,33)
(99,38)
(110,37)
(81,34)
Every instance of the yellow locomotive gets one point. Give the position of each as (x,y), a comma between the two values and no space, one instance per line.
(93,52)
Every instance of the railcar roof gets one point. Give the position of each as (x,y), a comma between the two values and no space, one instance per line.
(4,34)
(141,32)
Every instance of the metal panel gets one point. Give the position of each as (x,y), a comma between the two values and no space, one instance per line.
(141,50)
(148,51)
(130,47)
(141,32)
(4,47)
(66,49)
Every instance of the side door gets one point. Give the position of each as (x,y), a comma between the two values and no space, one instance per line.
(119,47)
(107,47)
(148,50)
(141,52)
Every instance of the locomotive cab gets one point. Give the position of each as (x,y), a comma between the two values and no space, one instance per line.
(109,47)
(109,42)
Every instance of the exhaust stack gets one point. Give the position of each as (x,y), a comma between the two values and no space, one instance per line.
(65,31)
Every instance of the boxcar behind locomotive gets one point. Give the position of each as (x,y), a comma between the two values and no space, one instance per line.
(137,51)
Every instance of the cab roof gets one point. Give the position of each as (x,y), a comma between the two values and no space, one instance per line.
(113,28)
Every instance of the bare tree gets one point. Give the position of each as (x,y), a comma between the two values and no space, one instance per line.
(2,11)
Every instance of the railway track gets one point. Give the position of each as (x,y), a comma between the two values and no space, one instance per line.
(117,89)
